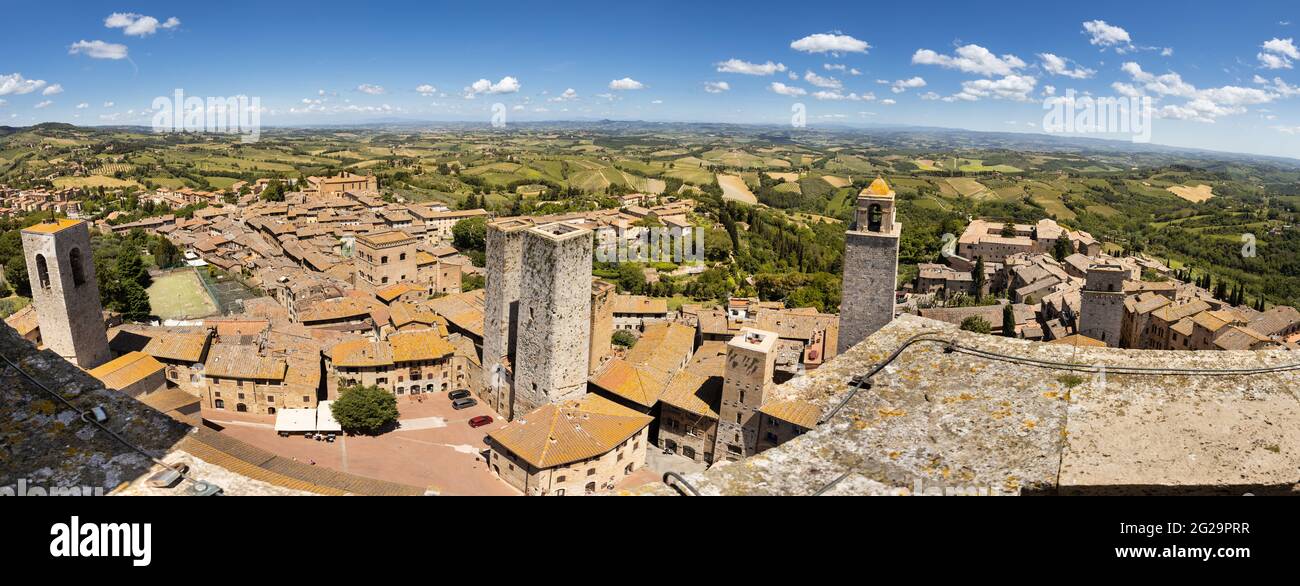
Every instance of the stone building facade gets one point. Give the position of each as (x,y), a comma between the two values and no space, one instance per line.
(870,266)
(341,183)
(385,258)
(1102,304)
(65,294)
(406,364)
(571,448)
(750,367)
(501,311)
(554,316)
(602,324)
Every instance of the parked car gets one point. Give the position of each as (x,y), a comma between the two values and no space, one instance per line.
(480,421)
(461,394)
(463,403)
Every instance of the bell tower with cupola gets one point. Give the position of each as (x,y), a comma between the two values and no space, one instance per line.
(870,265)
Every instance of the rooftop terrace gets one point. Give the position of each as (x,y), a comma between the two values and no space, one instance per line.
(1007,416)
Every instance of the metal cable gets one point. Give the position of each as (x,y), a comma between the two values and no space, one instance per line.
(680,483)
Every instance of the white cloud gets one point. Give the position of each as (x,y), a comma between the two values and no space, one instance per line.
(822,82)
(1011,87)
(1105,35)
(44,104)
(426,90)
(929,96)
(83,106)
(626,83)
(373,90)
(716,87)
(567,95)
(1278,53)
(108,104)
(835,67)
(656,101)
(970,59)
(1061,66)
(833,43)
(1271,61)
(136,25)
(1201,105)
(836,95)
(903,85)
(786,90)
(507,85)
(888,102)
(1283,46)
(747,68)
(98,50)
(14,83)
(53,90)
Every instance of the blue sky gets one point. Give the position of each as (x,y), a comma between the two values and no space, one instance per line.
(1222,78)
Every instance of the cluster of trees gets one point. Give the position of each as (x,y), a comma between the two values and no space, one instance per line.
(469,236)
(122,274)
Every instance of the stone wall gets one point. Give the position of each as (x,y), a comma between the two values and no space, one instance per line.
(44,443)
(501,309)
(68,309)
(870,279)
(935,421)
(1101,316)
(554,332)
(750,366)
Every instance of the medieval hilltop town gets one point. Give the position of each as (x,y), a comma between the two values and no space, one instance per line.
(519,386)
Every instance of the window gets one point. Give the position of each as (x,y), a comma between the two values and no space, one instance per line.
(591,472)
(559,479)
(78,268)
(219,404)
(875,218)
(43,271)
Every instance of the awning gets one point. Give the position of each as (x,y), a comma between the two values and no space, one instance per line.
(295,420)
(325,418)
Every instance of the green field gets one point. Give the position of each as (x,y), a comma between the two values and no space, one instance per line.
(180,295)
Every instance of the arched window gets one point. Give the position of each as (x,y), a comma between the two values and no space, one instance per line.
(43,271)
(78,270)
(875,217)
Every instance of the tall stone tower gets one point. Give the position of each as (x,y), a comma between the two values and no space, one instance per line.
(602,324)
(64,291)
(554,332)
(1101,312)
(501,311)
(870,266)
(751,364)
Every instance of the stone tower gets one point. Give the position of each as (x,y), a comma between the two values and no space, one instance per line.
(1101,312)
(602,324)
(750,366)
(870,266)
(501,311)
(64,291)
(554,332)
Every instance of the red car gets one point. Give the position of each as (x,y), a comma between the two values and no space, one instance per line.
(480,421)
